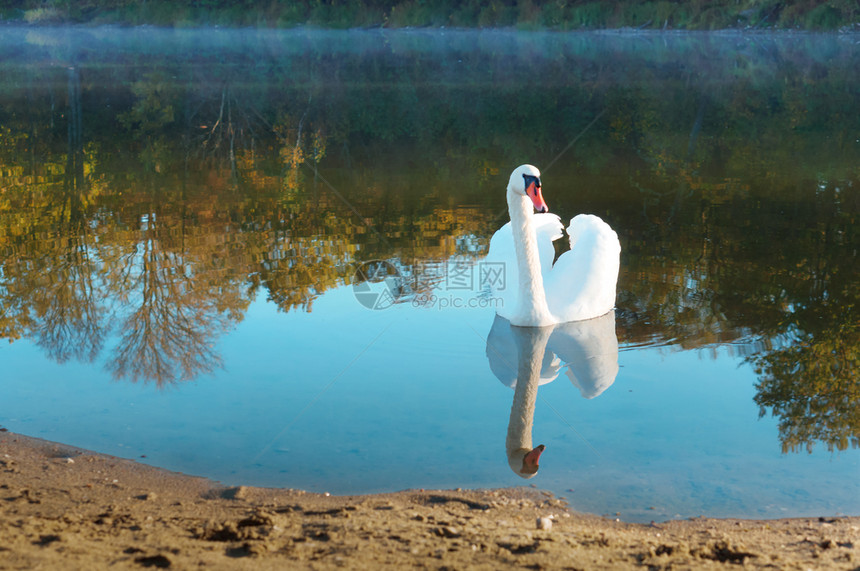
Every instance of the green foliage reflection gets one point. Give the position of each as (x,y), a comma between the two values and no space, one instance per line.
(143,207)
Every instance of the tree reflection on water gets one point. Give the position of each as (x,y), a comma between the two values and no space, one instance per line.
(154,200)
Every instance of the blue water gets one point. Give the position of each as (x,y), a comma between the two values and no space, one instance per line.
(349,400)
(727,163)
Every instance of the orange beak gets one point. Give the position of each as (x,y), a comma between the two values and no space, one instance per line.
(532,458)
(533,191)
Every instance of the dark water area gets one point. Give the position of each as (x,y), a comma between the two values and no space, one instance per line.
(172,202)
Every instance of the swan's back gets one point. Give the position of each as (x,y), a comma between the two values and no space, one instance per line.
(581,284)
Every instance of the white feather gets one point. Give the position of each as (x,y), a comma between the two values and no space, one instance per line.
(535,292)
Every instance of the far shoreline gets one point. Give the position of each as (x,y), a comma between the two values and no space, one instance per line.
(625,31)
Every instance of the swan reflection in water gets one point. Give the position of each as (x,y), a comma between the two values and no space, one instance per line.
(524,358)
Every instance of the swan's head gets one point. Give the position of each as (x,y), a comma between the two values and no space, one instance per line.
(525,180)
(524,462)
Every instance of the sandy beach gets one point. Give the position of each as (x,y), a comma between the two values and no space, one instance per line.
(66,508)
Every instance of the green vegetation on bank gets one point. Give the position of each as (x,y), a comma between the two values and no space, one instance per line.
(815,15)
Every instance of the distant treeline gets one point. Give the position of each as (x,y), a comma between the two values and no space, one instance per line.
(816,15)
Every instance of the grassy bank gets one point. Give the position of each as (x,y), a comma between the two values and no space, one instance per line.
(813,15)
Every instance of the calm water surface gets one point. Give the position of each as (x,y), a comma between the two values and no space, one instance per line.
(188,220)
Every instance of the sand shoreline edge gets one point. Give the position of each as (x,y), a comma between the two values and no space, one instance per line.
(65,507)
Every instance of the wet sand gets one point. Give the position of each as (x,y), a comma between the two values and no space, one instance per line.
(66,508)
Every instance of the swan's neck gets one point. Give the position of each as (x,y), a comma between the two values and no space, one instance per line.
(532,307)
(531,344)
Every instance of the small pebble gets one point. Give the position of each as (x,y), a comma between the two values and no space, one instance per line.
(449,532)
(544,523)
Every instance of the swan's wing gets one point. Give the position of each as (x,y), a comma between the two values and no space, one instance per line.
(549,225)
(499,271)
(503,354)
(590,349)
(548,229)
(582,283)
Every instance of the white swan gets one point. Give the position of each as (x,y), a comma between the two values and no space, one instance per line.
(522,457)
(585,351)
(532,290)
(526,357)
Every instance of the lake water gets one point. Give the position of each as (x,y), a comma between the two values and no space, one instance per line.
(187,219)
